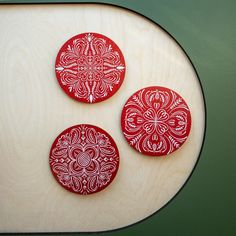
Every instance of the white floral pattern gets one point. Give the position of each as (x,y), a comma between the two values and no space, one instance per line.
(156,121)
(90,67)
(84,159)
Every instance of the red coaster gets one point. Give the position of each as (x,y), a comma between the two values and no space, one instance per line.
(90,67)
(84,159)
(156,121)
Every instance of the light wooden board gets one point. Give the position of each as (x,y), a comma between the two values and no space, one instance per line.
(34,110)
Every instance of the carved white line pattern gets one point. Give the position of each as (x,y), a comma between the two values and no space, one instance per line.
(90,67)
(156,121)
(84,159)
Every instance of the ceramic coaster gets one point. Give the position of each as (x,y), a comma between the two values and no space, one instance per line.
(156,121)
(84,159)
(90,67)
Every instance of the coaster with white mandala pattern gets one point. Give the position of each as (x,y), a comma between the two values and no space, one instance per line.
(84,159)
(90,67)
(156,121)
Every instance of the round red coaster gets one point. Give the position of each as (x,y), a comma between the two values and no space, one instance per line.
(84,159)
(90,67)
(156,121)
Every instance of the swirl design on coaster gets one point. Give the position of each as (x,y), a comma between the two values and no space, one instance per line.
(156,121)
(84,159)
(90,67)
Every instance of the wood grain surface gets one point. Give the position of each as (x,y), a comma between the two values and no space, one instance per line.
(34,110)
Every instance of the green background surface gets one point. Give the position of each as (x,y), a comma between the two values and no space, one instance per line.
(206,29)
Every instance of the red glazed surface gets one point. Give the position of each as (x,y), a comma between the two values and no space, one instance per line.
(90,67)
(156,121)
(84,159)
